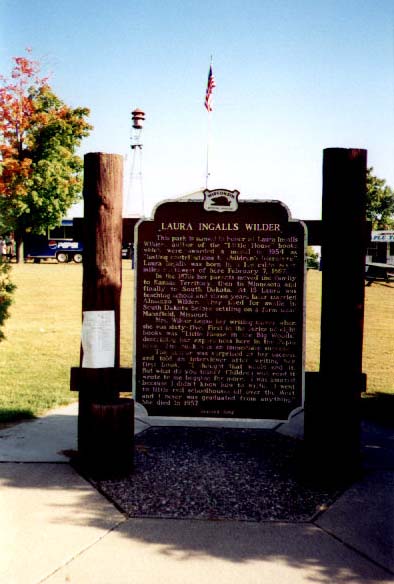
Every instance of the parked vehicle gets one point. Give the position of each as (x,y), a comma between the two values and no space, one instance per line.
(58,244)
(381,247)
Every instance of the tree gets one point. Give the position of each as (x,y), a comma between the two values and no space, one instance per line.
(6,289)
(380,202)
(40,174)
(312,257)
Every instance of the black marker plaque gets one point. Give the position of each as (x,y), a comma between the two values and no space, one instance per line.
(219,317)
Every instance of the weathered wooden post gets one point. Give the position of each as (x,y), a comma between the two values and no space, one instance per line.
(102,268)
(105,422)
(332,417)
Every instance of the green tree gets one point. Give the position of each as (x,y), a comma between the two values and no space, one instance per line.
(380,202)
(312,257)
(6,289)
(40,173)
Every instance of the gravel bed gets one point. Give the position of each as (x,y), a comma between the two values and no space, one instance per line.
(216,474)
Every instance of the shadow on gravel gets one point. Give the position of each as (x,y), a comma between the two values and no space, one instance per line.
(378,407)
(217,474)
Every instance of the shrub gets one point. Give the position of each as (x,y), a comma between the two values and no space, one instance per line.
(6,290)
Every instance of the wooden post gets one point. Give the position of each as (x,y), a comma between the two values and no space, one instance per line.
(102,267)
(110,440)
(99,405)
(332,423)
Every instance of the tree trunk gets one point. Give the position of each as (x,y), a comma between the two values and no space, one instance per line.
(19,248)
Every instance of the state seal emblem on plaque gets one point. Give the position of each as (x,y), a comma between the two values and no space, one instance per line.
(220,200)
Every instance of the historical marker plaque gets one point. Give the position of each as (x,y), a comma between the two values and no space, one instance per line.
(220,309)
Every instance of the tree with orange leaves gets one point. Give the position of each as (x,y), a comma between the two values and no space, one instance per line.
(40,173)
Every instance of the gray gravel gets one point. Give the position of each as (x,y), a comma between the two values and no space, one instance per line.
(216,474)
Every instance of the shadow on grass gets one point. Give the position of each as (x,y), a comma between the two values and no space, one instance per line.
(11,416)
(378,407)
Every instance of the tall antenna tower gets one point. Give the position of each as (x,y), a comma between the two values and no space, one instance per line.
(135,193)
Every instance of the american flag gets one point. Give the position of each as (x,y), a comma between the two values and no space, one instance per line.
(208,94)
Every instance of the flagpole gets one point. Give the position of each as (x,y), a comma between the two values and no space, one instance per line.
(208,146)
(208,105)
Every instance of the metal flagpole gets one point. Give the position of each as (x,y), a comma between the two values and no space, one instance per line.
(208,145)
(208,105)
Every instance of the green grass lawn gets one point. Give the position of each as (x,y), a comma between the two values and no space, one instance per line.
(378,350)
(43,336)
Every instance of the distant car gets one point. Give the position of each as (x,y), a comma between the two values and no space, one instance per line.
(128,253)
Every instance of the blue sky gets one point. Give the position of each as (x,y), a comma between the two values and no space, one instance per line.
(292,77)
